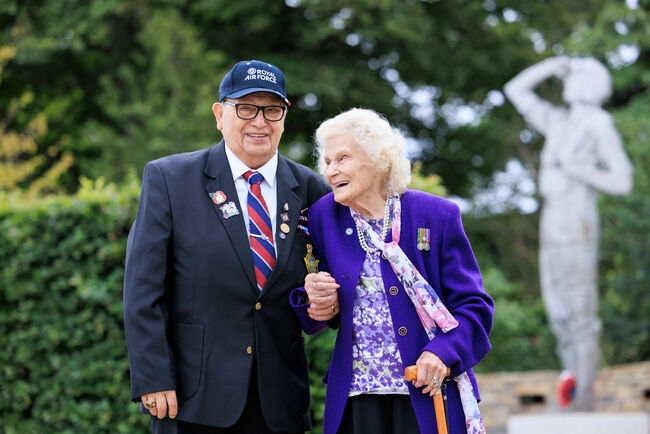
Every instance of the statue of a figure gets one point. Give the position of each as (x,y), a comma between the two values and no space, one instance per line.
(581,155)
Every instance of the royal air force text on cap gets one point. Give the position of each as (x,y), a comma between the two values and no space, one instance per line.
(261,74)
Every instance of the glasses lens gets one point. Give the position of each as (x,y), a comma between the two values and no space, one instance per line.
(273,112)
(246,111)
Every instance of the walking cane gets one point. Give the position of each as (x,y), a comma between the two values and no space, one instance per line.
(411,374)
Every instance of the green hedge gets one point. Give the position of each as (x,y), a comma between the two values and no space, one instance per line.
(64,365)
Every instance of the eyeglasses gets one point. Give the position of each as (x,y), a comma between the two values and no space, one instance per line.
(247,112)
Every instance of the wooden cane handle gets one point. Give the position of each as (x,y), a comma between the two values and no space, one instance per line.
(411,373)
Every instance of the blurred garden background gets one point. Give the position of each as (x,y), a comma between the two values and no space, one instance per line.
(91,90)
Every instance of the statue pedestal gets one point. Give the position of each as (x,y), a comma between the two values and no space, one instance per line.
(579,423)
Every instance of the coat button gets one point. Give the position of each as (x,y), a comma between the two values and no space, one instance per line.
(402,331)
(249,350)
(393,290)
(258,306)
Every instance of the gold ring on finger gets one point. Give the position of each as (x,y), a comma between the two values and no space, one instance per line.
(333,309)
(150,404)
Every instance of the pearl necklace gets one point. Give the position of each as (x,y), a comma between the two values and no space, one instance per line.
(384,230)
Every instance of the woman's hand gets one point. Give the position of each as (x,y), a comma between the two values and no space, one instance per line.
(430,367)
(323,296)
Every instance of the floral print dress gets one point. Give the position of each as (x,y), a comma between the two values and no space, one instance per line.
(376,362)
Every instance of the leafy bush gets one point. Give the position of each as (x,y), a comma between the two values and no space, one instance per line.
(64,365)
(319,352)
(521,338)
(625,237)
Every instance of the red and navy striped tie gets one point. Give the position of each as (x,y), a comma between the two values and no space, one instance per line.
(261,235)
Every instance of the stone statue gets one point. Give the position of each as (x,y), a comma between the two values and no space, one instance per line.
(581,155)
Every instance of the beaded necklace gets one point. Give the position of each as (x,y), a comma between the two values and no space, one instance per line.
(384,230)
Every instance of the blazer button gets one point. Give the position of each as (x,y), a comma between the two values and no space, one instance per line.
(393,290)
(249,350)
(258,306)
(401,331)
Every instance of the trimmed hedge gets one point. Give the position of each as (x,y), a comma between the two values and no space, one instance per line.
(64,366)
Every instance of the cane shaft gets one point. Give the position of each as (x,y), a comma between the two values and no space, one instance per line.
(441,419)
(439,404)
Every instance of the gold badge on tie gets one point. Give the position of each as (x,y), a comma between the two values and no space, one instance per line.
(310,261)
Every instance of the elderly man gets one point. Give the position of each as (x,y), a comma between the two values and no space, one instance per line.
(214,346)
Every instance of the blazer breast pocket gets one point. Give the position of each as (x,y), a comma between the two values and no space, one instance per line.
(187,343)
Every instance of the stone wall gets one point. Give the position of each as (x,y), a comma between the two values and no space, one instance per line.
(624,388)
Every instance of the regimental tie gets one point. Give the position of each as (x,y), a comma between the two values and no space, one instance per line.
(261,235)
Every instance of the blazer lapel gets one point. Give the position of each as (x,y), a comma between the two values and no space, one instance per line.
(286,184)
(354,255)
(219,178)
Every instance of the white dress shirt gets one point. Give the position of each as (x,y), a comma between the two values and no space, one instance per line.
(269,191)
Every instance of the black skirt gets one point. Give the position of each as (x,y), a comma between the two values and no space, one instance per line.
(379,414)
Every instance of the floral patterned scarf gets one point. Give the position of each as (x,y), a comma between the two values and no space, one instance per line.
(432,312)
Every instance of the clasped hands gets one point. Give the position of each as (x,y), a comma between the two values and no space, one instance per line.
(323,296)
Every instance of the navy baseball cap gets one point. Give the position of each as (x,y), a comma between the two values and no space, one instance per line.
(249,76)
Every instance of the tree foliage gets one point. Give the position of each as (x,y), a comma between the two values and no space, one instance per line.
(19,157)
(128,81)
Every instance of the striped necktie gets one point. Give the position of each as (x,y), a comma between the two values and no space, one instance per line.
(261,235)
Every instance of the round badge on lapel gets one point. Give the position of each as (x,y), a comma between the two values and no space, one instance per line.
(219,197)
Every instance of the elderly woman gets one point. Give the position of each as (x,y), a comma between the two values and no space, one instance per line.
(409,288)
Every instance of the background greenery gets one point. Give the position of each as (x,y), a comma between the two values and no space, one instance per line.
(94,89)
(63,366)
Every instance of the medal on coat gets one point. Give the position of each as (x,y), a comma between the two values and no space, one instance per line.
(218,197)
(310,261)
(229,210)
(302,221)
(424,239)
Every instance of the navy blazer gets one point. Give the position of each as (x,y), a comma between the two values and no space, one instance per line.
(193,317)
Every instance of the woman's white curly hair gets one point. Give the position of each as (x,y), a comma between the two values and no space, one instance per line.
(383,144)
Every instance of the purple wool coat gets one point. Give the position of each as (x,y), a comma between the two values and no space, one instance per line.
(451,269)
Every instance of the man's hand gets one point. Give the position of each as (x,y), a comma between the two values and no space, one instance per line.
(323,296)
(159,402)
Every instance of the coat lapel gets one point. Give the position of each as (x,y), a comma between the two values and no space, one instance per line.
(218,177)
(349,256)
(286,184)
